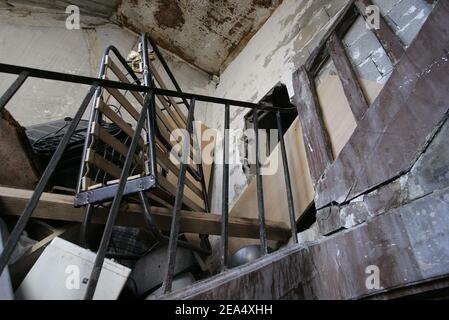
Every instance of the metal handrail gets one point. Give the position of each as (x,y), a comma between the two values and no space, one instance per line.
(65,77)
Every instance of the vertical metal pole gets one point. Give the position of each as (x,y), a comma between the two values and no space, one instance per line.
(32,203)
(148,81)
(288,185)
(260,196)
(17,84)
(225,193)
(84,233)
(203,187)
(149,218)
(174,230)
(113,212)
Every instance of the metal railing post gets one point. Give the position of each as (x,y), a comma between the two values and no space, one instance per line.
(225,192)
(260,195)
(288,185)
(174,230)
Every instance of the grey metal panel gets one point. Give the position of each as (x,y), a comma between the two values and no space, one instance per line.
(396,242)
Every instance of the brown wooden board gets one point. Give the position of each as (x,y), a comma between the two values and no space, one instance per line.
(337,115)
(60,207)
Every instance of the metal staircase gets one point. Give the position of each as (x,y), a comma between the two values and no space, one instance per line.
(139,168)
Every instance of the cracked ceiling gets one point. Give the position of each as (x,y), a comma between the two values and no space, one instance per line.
(206,33)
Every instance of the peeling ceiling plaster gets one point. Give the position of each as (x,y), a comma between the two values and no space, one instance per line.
(97,8)
(206,33)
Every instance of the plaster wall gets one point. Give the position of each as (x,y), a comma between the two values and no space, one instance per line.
(41,40)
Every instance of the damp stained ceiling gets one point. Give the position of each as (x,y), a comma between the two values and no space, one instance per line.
(206,33)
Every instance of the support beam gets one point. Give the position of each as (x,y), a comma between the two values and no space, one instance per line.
(348,77)
(315,135)
(60,207)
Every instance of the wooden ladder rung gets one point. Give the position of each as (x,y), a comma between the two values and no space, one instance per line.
(101,163)
(115,118)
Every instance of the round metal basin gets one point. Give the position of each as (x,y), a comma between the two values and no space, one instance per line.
(246,255)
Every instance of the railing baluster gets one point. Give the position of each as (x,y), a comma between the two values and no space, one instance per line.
(174,230)
(260,196)
(225,192)
(31,205)
(113,212)
(148,81)
(288,185)
(4,99)
(84,232)
(146,38)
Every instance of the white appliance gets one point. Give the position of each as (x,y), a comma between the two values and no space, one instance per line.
(62,273)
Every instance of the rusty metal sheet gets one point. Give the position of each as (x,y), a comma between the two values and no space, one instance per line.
(400,243)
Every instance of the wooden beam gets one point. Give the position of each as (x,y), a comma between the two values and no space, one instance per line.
(386,36)
(124,102)
(166,163)
(315,135)
(60,207)
(103,164)
(348,77)
(169,188)
(314,60)
(110,140)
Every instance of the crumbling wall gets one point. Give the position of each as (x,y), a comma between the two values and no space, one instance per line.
(281,46)
(382,205)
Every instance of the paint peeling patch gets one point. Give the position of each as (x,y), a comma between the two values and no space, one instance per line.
(169,15)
